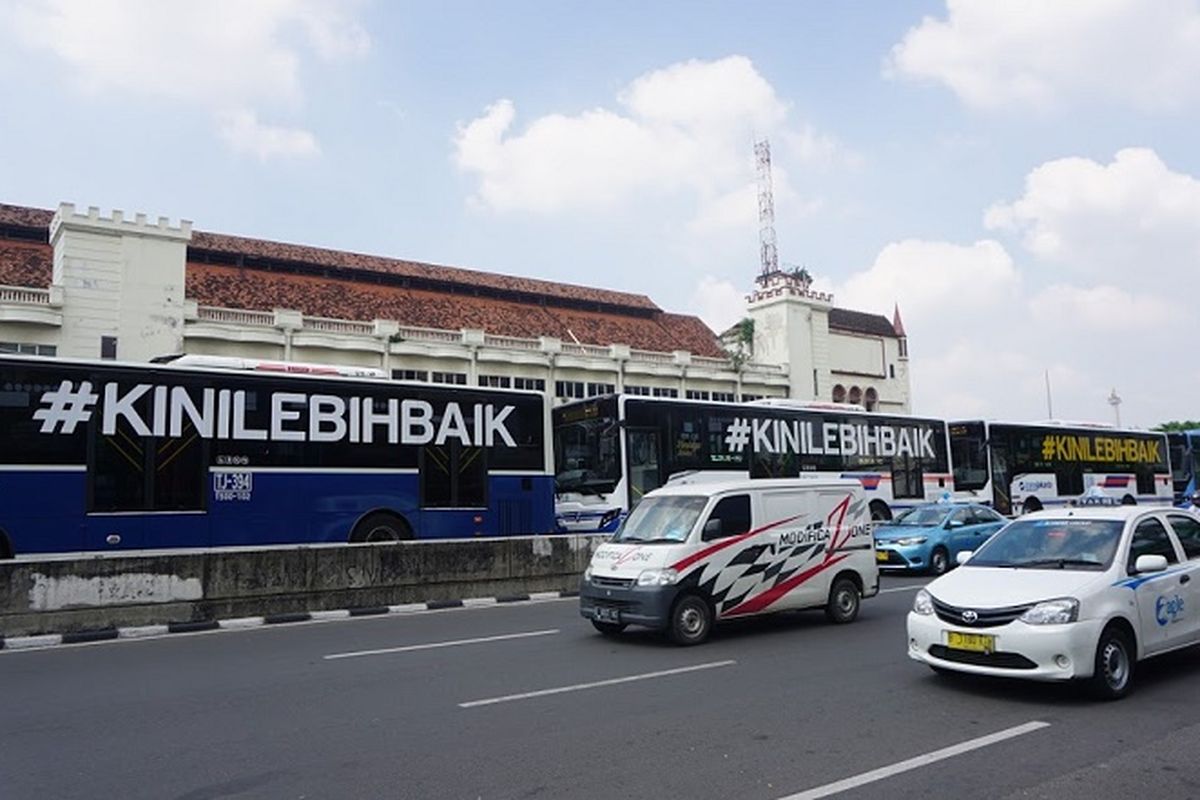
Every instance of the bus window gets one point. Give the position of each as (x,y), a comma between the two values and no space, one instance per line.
(644,473)
(908,482)
(968,454)
(453,476)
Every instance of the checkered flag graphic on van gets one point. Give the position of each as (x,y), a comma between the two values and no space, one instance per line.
(758,566)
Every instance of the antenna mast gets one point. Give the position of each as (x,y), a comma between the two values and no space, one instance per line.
(768,250)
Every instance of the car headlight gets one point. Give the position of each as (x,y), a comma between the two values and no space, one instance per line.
(910,540)
(587,573)
(923,603)
(1052,612)
(657,577)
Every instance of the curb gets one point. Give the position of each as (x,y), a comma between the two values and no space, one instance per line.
(47,640)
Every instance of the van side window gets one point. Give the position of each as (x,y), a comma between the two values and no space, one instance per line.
(730,517)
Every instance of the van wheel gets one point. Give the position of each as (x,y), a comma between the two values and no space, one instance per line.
(691,621)
(843,602)
(939,561)
(608,628)
(1113,675)
(381,527)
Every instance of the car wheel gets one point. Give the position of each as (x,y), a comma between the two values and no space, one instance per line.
(939,561)
(608,628)
(1113,676)
(691,621)
(843,602)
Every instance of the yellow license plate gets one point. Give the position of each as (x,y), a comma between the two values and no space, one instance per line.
(880,555)
(975,642)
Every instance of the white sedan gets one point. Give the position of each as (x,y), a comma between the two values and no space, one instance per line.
(1073,593)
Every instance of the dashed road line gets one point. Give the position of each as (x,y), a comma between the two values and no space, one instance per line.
(436,645)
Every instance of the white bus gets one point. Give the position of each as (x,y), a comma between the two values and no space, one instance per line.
(610,451)
(1021,467)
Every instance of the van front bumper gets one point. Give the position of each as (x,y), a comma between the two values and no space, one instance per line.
(649,606)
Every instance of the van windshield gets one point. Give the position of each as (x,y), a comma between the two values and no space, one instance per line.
(662,519)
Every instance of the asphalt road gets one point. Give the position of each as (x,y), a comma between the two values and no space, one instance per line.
(527,701)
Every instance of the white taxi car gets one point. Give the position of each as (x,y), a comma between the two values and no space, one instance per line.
(1071,593)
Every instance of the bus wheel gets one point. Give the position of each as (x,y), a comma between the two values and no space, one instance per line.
(381,527)
(1031,505)
(880,511)
(1128,500)
(691,620)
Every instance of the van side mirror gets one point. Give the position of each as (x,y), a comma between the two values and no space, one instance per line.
(961,556)
(1150,563)
(712,529)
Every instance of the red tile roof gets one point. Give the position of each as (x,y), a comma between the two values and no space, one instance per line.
(236,272)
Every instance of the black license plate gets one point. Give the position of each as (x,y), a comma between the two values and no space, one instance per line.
(606,614)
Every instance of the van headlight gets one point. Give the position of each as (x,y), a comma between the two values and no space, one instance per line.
(657,577)
(1052,612)
(923,603)
(587,573)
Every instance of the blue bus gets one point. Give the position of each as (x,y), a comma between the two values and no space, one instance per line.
(100,456)
(1185,463)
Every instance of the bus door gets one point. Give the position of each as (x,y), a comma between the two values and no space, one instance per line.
(645,472)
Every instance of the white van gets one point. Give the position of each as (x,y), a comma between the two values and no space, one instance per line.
(696,551)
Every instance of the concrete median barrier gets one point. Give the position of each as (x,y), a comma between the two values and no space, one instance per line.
(99,592)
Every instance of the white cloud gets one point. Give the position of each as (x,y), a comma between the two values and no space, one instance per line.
(1043,54)
(242,131)
(718,302)
(684,130)
(1099,310)
(220,55)
(1131,217)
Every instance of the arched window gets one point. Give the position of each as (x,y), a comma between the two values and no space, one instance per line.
(871,399)
(855,395)
(839,394)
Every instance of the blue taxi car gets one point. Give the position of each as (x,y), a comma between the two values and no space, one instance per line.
(927,538)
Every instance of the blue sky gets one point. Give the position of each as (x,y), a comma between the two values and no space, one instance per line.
(1019,176)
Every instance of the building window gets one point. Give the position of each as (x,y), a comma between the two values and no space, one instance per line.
(904,348)
(28,349)
(871,399)
(696,394)
(108,347)
(839,394)
(662,391)
(453,378)
(746,398)
(533,384)
(568,390)
(496,381)
(410,375)
(724,397)
(891,370)
(855,395)
(597,389)
(643,391)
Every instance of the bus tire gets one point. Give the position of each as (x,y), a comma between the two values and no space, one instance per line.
(6,548)
(880,511)
(691,620)
(381,526)
(844,601)
(1129,500)
(1031,505)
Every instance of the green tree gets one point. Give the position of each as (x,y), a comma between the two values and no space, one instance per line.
(1184,425)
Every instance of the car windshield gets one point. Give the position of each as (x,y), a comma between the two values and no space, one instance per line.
(1081,544)
(921,516)
(661,519)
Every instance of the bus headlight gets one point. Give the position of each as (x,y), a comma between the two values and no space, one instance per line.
(657,577)
(923,603)
(1052,612)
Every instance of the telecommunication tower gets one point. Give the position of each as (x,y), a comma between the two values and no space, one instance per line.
(768,249)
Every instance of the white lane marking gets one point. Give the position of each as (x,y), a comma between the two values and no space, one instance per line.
(919,761)
(435,645)
(594,684)
(901,589)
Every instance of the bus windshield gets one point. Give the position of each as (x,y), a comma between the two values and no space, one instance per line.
(662,519)
(586,455)
(968,455)
(1074,544)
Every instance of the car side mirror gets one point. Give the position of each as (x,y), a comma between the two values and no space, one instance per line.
(712,529)
(955,523)
(961,557)
(1150,563)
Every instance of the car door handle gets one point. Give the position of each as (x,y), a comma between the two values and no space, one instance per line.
(1185,578)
